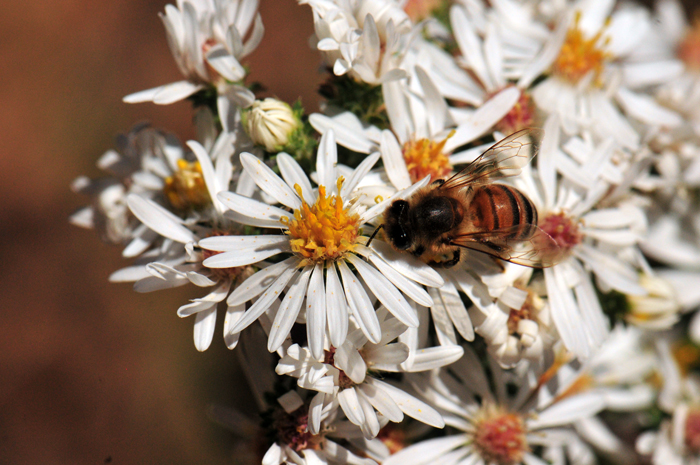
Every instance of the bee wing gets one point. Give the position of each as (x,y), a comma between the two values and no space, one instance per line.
(539,251)
(505,158)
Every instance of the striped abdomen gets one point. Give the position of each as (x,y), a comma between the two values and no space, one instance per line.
(497,207)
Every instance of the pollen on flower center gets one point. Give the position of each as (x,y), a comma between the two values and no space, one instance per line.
(563,230)
(499,435)
(692,430)
(580,56)
(325,230)
(425,157)
(186,189)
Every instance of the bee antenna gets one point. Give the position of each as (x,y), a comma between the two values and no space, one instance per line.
(374,234)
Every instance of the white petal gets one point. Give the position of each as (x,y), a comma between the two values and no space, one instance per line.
(159,219)
(483,119)
(253,212)
(410,288)
(385,291)
(568,410)
(348,359)
(358,174)
(256,284)
(336,307)
(359,303)
(351,406)
(424,452)
(345,136)
(174,92)
(294,174)
(316,312)
(408,265)
(240,243)
(263,303)
(394,163)
(435,357)
(241,258)
(288,311)
(409,405)
(325,162)
(233,314)
(269,182)
(204,325)
(382,402)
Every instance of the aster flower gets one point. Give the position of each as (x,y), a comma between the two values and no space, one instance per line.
(206,40)
(595,72)
(342,377)
(363,38)
(493,427)
(589,238)
(323,236)
(176,261)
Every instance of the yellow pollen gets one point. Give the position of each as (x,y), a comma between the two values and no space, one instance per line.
(325,230)
(580,56)
(425,157)
(186,189)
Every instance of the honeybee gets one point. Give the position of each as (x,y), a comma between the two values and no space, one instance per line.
(470,211)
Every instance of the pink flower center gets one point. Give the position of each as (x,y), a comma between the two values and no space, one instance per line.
(521,116)
(563,230)
(499,436)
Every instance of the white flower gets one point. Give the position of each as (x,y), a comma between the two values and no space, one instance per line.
(589,238)
(595,70)
(493,427)
(206,40)
(342,377)
(363,38)
(323,237)
(270,123)
(176,261)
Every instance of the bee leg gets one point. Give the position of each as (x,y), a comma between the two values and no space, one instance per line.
(456,255)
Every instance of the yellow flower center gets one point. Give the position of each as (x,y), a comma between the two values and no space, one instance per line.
(325,230)
(425,157)
(580,56)
(499,435)
(186,189)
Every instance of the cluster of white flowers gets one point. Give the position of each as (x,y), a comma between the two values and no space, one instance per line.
(492,227)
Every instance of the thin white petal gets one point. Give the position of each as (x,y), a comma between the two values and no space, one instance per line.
(256,284)
(409,405)
(316,312)
(253,212)
(159,219)
(269,182)
(288,311)
(337,309)
(204,325)
(359,302)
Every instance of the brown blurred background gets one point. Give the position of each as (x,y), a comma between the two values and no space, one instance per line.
(92,372)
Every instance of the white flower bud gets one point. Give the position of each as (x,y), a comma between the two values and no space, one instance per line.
(270,122)
(659,309)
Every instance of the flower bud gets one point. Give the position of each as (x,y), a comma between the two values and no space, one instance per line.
(270,123)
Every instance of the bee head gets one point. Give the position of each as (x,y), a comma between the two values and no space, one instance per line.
(397,225)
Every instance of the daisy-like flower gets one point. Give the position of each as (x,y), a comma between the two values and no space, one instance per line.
(363,38)
(596,69)
(206,40)
(322,236)
(176,261)
(588,237)
(494,427)
(342,377)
